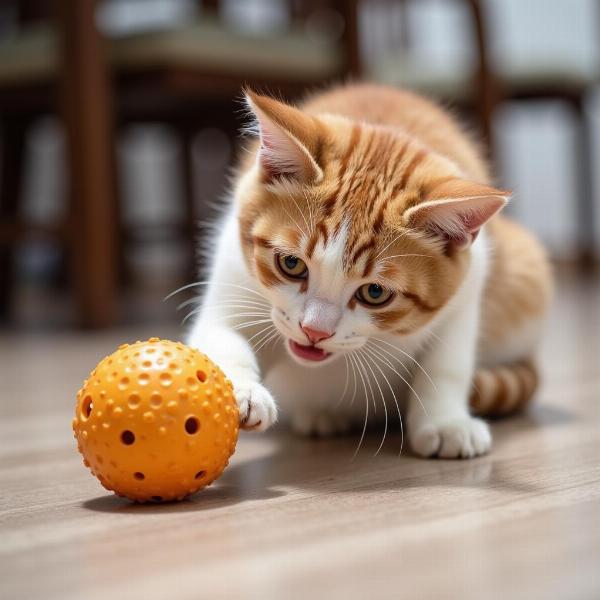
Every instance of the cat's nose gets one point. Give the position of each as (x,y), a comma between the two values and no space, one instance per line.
(314,335)
(320,319)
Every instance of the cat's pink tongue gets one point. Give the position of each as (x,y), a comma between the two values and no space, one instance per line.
(308,352)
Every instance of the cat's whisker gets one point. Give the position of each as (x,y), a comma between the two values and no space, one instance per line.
(293,220)
(193,300)
(311,215)
(405,256)
(201,306)
(353,357)
(391,356)
(275,339)
(251,324)
(307,232)
(246,298)
(385,357)
(343,394)
(262,335)
(414,360)
(368,361)
(355,383)
(190,315)
(389,364)
(264,343)
(229,300)
(394,240)
(395,400)
(230,305)
(265,335)
(199,283)
(250,313)
(225,316)
(267,328)
(359,356)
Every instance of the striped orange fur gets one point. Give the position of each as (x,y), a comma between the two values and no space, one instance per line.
(503,390)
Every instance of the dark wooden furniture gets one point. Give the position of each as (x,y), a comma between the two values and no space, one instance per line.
(486,85)
(552,80)
(188,77)
(470,87)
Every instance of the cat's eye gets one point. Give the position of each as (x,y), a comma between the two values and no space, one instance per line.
(292,266)
(373,294)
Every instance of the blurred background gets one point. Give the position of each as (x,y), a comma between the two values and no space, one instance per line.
(119,123)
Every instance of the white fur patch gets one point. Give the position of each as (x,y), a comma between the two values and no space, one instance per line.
(329,280)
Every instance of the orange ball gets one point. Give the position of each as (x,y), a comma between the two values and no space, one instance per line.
(156,420)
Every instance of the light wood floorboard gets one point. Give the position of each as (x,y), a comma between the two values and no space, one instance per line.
(295,518)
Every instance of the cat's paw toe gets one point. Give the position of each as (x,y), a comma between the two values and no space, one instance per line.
(464,437)
(257,407)
(320,424)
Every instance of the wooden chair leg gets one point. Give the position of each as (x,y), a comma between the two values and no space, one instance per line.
(586,218)
(191,231)
(14,134)
(90,150)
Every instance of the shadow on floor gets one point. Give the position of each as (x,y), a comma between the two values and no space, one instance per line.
(210,498)
(287,462)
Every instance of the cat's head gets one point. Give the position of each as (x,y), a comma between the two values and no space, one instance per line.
(353,230)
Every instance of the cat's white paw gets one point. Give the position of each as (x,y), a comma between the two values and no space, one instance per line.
(257,407)
(321,424)
(463,437)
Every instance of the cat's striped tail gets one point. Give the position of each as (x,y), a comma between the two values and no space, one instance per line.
(499,391)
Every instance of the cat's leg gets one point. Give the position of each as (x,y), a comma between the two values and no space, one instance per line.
(439,419)
(232,352)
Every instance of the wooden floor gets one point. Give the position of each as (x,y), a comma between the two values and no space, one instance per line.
(299,519)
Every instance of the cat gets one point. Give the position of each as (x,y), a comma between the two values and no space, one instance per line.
(362,267)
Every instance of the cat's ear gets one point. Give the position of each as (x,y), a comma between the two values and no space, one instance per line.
(456,210)
(288,140)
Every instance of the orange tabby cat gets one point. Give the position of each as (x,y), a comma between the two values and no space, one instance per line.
(364,233)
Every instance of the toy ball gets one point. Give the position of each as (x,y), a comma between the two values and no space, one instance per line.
(156,421)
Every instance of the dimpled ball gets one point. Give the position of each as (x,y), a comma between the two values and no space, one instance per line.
(156,421)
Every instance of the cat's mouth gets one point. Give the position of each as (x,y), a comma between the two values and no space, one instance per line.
(308,352)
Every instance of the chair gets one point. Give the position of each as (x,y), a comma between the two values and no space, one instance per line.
(487,82)
(469,85)
(186,76)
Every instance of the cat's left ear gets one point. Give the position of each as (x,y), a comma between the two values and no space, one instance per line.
(456,210)
(288,140)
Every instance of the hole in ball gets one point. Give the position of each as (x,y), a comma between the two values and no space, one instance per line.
(128,437)
(200,474)
(192,425)
(201,375)
(139,475)
(86,407)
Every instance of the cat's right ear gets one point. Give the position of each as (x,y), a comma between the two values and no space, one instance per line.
(456,210)
(288,139)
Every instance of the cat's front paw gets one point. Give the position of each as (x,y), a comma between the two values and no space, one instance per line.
(461,437)
(257,407)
